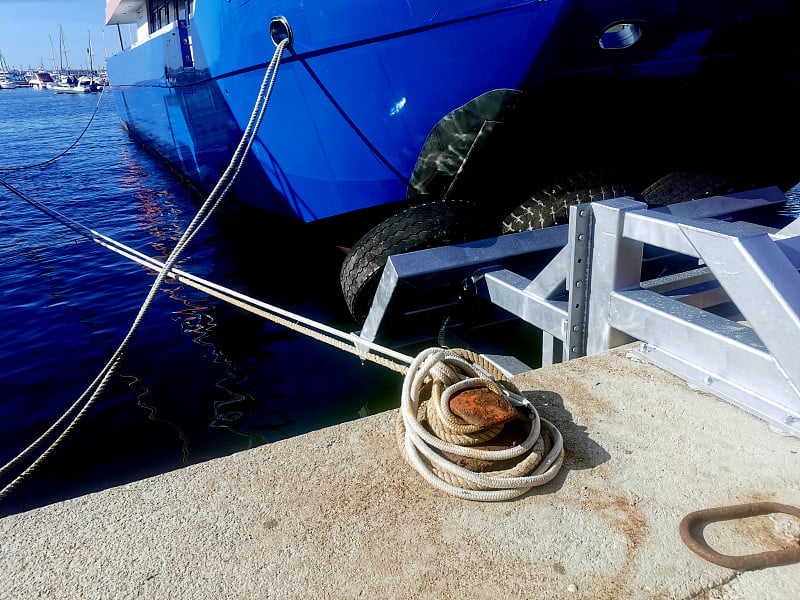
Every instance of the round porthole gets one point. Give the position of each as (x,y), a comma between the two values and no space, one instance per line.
(620,35)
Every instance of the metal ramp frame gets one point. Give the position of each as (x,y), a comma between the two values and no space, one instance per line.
(749,357)
(714,300)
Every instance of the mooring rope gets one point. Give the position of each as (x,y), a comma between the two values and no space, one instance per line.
(350,342)
(433,379)
(70,147)
(429,434)
(94,390)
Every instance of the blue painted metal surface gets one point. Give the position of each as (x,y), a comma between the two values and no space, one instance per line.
(365,83)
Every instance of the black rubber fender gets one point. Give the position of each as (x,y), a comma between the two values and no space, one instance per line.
(418,227)
(680,186)
(550,205)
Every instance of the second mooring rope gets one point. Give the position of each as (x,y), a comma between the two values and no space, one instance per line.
(79,408)
(439,444)
(434,440)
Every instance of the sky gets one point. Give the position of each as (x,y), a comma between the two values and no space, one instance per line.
(27,26)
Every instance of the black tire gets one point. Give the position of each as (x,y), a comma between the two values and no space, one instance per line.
(681,186)
(419,227)
(550,206)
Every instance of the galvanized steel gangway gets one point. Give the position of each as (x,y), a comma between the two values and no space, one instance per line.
(710,287)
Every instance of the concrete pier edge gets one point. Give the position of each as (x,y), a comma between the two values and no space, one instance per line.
(337,513)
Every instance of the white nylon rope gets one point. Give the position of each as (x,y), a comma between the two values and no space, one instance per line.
(350,342)
(444,371)
(392,359)
(420,446)
(98,385)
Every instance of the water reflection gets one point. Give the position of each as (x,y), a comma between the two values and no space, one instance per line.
(163,220)
(792,208)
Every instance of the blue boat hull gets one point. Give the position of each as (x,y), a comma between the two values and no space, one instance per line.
(378,102)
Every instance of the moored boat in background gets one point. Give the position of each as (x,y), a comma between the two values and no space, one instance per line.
(405,125)
(69,84)
(90,82)
(41,80)
(9,79)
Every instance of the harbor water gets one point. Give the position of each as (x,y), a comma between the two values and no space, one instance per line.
(200,379)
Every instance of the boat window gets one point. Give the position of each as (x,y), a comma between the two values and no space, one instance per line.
(164,12)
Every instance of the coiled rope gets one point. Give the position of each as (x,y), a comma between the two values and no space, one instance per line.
(93,391)
(427,431)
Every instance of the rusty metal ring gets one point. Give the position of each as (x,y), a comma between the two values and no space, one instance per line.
(691,530)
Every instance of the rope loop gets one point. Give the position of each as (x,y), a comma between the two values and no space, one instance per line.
(462,458)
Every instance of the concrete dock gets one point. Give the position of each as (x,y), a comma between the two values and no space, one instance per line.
(338,513)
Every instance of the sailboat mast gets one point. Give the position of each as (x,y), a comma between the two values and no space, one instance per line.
(52,54)
(63,49)
(89,52)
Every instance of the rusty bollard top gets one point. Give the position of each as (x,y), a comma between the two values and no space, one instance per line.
(482,407)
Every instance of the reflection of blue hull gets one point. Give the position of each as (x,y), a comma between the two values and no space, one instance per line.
(365,83)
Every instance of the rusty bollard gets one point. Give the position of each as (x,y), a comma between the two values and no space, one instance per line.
(482,407)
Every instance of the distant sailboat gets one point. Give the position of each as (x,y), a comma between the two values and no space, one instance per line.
(66,82)
(7,82)
(89,81)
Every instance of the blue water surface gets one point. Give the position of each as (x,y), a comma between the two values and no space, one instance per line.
(201,379)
